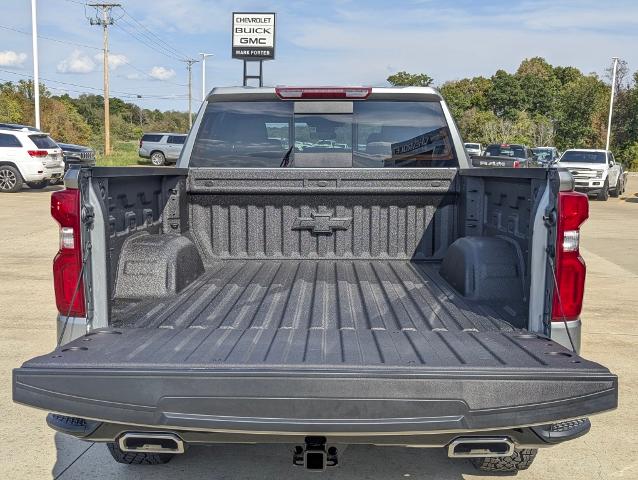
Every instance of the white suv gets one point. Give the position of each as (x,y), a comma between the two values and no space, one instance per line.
(28,157)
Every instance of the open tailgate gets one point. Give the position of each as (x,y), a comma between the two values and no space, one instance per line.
(300,380)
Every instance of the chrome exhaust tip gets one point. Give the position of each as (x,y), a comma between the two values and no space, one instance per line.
(151,443)
(480,447)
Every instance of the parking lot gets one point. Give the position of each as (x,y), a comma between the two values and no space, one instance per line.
(27,328)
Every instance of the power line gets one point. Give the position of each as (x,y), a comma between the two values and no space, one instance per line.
(147,44)
(129,94)
(51,39)
(153,34)
(67,42)
(160,45)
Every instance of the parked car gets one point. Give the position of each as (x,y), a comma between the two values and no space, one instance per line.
(595,172)
(234,301)
(162,148)
(473,148)
(546,155)
(75,155)
(30,157)
(16,126)
(506,155)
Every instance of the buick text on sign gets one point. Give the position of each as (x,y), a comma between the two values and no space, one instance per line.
(254,35)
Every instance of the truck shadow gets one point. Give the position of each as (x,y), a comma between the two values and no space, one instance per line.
(45,190)
(259,461)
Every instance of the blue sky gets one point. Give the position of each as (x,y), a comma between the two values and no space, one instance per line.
(319,42)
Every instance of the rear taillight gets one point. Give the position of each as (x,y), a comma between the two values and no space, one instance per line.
(67,264)
(573,210)
(323,93)
(516,164)
(37,153)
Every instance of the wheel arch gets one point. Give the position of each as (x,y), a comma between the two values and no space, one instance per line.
(12,164)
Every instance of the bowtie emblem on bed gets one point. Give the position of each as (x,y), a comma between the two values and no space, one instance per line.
(321,223)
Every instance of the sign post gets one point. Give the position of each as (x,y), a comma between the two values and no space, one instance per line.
(253,41)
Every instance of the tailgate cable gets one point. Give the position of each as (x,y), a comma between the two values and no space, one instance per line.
(75,292)
(560,302)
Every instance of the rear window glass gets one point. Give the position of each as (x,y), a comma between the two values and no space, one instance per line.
(515,151)
(377,134)
(43,141)
(178,139)
(8,141)
(152,138)
(583,157)
(475,146)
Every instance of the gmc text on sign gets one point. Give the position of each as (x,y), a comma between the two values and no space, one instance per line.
(254,35)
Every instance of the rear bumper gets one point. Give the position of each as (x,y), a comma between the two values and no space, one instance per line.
(562,331)
(527,437)
(289,403)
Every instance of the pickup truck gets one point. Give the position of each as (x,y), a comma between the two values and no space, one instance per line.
(595,172)
(506,155)
(262,294)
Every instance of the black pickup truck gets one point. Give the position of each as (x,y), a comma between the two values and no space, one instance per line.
(322,268)
(508,155)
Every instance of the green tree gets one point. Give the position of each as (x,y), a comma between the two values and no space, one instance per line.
(405,79)
(465,94)
(581,113)
(505,97)
(539,86)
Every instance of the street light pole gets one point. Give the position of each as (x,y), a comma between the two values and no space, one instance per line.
(204,55)
(36,73)
(611,100)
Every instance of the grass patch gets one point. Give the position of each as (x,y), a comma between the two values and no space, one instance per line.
(122,154)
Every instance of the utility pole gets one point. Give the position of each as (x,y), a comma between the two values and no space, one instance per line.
(611,100)
(204,55)
(105,20)
(36,74)
(189,65)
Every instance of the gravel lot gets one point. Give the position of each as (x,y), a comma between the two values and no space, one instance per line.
(31,450)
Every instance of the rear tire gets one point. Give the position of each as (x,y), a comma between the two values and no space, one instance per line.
(38,185)
(603,195)
(158,159)
(10,179)
(521,459)
(137,458)
(616,191)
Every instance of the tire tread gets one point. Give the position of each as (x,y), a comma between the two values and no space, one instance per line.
(521,459)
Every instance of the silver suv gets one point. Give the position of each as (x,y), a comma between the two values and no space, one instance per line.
(162,148)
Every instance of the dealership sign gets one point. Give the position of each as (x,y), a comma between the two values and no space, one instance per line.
(254,36)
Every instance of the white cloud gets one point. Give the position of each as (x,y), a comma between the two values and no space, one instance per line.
(77,62)
(9,58)
(162,73)
(115,59)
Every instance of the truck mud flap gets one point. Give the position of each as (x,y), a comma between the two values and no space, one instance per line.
(101,382)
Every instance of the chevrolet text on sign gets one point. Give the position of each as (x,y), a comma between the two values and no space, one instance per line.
(254,35)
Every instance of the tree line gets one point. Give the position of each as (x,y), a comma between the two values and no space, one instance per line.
(81,119)
(543,105)
(538,105)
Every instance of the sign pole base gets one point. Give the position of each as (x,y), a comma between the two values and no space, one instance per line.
(259,77)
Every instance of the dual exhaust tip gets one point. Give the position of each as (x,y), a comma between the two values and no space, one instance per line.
(314,455)
(151,443)
(480,447)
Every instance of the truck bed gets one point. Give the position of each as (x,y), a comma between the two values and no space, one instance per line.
(315,312)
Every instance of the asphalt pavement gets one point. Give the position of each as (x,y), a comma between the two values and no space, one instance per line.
(29,449)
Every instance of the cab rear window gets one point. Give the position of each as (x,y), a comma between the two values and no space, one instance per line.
(43,141)
(376,134)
